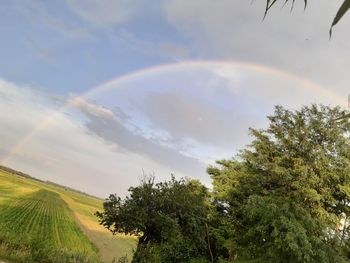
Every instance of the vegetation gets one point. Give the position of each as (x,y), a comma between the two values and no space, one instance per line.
(39,227)
(38,219)
(341,12)
(169,217)
(285,198)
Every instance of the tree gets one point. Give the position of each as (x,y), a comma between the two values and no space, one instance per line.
(341,12)
(286,197)
(169,218)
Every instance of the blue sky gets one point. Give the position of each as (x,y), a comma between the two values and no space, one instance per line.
(47,40)
(180,82)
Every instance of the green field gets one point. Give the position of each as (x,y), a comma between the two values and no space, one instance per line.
(42,222)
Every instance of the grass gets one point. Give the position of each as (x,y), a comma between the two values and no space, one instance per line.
(40,222)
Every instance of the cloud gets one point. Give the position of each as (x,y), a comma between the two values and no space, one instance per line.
(294,41)
(114,131)
(201,110)
(62,149)
(104,13)
(90,108)
(105,124)
(185,117)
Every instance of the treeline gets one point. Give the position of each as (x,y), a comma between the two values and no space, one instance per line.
(285,198)
(15,172)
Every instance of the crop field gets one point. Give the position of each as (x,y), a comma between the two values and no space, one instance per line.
(42,222)
(39,227)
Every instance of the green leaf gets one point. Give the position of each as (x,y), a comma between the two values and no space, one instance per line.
(269,4)
(341,12)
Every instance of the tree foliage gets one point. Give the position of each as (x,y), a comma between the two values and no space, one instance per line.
(287,198)
(169,218)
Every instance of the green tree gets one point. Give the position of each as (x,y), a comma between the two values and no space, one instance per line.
(286,197)
(341,12)
(170,219)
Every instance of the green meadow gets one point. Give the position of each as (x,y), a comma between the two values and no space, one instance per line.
(43,222)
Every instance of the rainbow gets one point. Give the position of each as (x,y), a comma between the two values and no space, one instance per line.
(207,64)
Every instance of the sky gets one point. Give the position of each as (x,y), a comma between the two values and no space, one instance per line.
(97,94)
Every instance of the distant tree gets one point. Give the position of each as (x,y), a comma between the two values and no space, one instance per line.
(287,196)
(341,12)
(170,219)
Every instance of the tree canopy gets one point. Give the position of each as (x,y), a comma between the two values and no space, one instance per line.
(286,198)
(169,218)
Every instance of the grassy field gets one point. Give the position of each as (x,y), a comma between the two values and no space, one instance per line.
(42,222)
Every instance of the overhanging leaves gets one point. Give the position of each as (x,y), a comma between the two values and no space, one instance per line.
(341,12)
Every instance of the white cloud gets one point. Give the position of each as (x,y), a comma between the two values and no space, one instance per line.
(90,108)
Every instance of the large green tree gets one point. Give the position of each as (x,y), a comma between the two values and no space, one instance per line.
(170,219)
(286,197)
